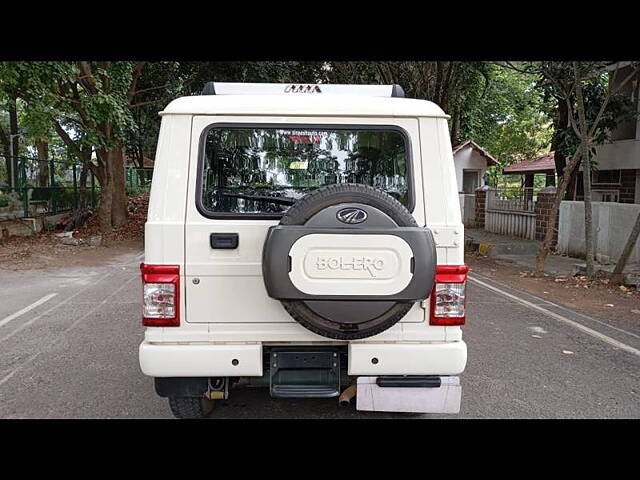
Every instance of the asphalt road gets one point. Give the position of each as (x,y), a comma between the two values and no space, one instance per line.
(74,355)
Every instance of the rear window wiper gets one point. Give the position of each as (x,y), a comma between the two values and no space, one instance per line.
(264,198)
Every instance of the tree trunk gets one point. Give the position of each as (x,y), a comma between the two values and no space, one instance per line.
(588,214)
(562,188)
(7,156)
(586,173)
(119,201)
(42,147)
(104,208)
(103,174)
(14,139)
(4,140)
(82,186)
(570,194)
(617,276)
(455,127)
(560,128)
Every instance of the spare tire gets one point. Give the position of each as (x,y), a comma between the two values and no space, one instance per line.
(348,261)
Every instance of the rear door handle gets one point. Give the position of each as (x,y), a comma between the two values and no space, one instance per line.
(224,240)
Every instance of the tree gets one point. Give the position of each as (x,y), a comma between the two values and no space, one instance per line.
(9,134)
(94,100)
(161,82)
(454,86)
(511,120)
(590,122)
(194,75)
(6,151)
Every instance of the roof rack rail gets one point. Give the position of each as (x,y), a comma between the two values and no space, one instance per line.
(226,88)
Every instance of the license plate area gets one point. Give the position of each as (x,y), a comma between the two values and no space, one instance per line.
(300,373)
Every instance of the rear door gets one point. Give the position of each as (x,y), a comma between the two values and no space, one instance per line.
(225,284)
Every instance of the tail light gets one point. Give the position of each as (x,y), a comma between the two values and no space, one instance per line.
(448,295)
(160,295)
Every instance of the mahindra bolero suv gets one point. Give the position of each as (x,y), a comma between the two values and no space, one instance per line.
(306,239)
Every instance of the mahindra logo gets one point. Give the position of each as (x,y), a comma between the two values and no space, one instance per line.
(351,215)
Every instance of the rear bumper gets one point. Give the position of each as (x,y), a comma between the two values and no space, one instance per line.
(446,358)
(170,360)
(229,360)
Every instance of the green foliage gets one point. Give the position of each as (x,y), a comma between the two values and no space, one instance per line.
(136,189)
(557,83)
(508,112)
(499,108)
(93,107)
(4,201)
(510,119)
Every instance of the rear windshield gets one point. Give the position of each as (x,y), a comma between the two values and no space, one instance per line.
(266,170)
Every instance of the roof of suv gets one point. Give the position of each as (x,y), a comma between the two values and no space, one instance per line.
(303,104)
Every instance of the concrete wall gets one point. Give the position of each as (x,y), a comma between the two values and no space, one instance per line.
(612,223)
(469,159)
(23,227)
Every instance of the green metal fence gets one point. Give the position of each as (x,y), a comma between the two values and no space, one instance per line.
(56,188)
(138,180)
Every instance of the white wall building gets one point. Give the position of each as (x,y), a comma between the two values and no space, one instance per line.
(471,163)
(617,175)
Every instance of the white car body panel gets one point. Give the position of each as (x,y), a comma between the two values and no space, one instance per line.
(446,358)
(162,360)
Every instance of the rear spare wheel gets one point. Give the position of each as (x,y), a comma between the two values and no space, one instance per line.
(348,261)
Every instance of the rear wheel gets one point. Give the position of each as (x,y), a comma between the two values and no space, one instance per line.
(190,407)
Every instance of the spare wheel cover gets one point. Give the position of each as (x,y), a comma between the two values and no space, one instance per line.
(348,261)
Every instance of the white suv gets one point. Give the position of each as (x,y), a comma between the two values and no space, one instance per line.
(308,239)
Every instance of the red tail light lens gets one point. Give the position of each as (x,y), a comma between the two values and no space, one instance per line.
(448,295)
(160,295)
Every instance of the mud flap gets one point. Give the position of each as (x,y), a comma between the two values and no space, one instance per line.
(434,399)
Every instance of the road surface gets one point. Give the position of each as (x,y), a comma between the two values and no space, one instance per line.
(69,340)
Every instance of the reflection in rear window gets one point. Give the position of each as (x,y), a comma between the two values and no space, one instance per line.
(266,170)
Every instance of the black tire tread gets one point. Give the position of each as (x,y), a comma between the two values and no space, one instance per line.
(330,195)
(190,407)
(298,311)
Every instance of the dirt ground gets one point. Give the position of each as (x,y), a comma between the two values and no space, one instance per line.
(45,250)
(596,297)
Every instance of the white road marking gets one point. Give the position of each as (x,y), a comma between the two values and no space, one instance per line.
(7,377)
(26,309)
(560,318)
(562,307)
(58,305)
